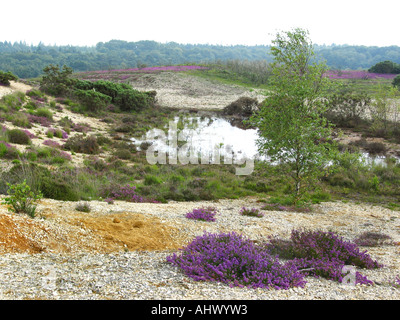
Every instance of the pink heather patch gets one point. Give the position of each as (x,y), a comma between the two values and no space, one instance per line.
(358,74)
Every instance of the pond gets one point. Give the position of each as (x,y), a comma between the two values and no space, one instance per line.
(211,139)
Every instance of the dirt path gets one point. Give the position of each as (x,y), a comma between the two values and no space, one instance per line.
(15,86)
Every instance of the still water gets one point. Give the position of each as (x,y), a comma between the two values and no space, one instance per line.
(205,135)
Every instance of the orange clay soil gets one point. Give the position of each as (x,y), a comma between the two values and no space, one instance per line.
(66,231)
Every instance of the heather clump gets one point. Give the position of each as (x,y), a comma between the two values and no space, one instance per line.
(83,207)
(126,193)
(322,254)
(253,212)
(235,260)
(202,214)
(18,136)
(81,144)
(372,239)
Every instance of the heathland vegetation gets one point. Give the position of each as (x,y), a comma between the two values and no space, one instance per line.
(113,168)
(27,61)
(69,138)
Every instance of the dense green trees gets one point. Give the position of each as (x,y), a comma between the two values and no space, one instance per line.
(28,61)
(385,67)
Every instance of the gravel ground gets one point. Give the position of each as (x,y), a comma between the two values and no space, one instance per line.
(179,90)
(145,275)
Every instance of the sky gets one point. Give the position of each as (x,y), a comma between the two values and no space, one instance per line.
(219,22)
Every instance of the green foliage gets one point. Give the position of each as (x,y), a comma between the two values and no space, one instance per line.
(81,144)
(13,101)
(18,136)
(83,207)
(291,125)
(94,101)
(131,100)
(396,82)
(44,112)
(94,96)
(6,77)
(386,66)
(56,81)
(20,120)
(244,106)
(22,199)
(150,180)
(27,61)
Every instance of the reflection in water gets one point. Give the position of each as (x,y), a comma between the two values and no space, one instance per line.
(205,135)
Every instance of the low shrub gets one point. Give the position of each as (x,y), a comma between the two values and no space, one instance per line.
(253,212)
(6,77)
(93,101)
(58,133)
(123,154)
(52,144)
(37,95)
(21,120)
(7,151)
(152,180)
(372,239)
(244,106)
(18,136)
(126,193)
(44,112)
(83,207)
(43,121)
(235,260)
(322,254)
(59,187)
(81,144)
(21,199)
(14,100)
(202,214)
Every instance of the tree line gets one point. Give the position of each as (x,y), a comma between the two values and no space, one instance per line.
(28,61)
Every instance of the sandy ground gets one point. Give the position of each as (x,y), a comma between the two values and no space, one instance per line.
(15,86)
(179,90)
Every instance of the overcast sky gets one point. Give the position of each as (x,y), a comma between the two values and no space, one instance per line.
(223,22)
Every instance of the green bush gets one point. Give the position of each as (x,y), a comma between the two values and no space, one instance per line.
(20,120)
(14,100)
(7,151)
(81,144)
(58,188)
(123,154)
(150,180)
(92,100)
(244,106)
(131,100)
(22,199)
(83,207)
(44,112)
(396,82)
(6,77)
(18,136)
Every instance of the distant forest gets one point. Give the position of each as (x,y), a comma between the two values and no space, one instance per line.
(28,61)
